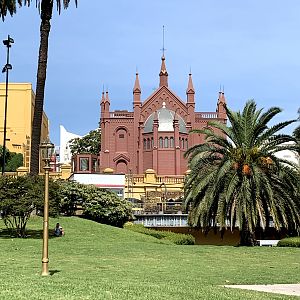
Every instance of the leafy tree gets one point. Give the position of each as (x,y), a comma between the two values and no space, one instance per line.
(237,180)
(12,160)
(90,143)
(17,200)
(15,161)
(7,156)
(20,196)
(46,9)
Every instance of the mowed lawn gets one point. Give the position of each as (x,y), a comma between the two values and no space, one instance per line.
(95,261)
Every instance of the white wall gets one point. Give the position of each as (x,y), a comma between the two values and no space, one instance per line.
(64,150)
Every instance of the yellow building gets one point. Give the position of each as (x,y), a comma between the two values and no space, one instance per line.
(20,107)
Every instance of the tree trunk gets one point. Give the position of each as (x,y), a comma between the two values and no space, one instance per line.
(246,236)
(46,15)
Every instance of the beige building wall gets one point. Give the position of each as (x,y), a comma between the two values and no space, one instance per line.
(20,107)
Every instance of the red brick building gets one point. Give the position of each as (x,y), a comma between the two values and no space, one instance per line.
(155,134)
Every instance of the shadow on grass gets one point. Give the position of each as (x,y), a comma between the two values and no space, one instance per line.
(52,272)
(30,234)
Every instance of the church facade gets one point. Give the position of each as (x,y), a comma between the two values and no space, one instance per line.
(155,134)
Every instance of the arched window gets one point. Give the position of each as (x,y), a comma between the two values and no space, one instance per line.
(161,142)
(145,143)
(182,143)
(148,143)
(152,143)
(186,144)
(121,140)
(171,142)
(166,145)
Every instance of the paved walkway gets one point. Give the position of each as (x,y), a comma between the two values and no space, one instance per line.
(286,289)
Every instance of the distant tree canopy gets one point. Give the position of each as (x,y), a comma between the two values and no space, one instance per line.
(90,143)
(12,160)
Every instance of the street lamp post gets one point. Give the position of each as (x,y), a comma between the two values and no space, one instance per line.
(6,68)
(46,149)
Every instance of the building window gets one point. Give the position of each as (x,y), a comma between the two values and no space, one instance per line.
(182,143)
(161,142)
(186,144)
(166,142)
(152,143)
(94,165)
(83,164)
(121,136)
(171,142)
(148,143)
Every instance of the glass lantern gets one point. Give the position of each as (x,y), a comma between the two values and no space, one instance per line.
(46,151)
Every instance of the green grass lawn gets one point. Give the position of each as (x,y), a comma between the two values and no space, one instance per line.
(95,261)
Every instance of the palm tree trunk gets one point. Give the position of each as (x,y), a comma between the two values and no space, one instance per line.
(246,236)
(46,15)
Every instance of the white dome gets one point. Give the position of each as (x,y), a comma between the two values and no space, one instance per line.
(165,121)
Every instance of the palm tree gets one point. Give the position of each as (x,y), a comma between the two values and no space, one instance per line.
(236,179)
(46,9)
(296,134)
(8,6)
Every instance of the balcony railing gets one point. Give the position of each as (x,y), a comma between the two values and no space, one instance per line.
(206,115)
(121,114)
(176,179)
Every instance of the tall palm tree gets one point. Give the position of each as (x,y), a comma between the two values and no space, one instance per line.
(237,180)
(45,9)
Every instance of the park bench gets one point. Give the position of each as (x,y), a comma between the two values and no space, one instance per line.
(269,243)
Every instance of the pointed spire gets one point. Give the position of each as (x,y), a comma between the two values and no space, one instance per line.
(163,74)
(102,98)
(221,98)
(106,97)
(221,105)
(190,88)
(190,92)
(136,88)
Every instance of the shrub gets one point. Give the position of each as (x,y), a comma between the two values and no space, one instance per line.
(105,206)
(175,238)
(180,238)
(70,196)
(289,242)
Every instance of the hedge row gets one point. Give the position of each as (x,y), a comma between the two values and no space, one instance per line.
(175,238)
(289,242)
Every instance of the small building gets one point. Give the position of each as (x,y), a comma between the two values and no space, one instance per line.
(112,182)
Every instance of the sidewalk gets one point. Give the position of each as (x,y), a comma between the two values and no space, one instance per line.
(286,289)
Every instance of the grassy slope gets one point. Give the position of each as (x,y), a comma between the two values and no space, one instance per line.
(94,261)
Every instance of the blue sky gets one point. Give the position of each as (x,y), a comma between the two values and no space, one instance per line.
(251,47)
